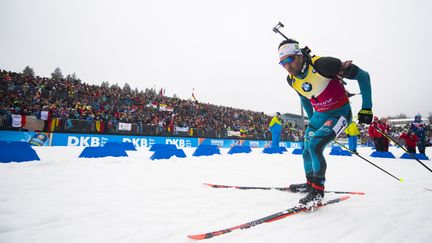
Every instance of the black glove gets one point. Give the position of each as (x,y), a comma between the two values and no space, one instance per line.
(365,116)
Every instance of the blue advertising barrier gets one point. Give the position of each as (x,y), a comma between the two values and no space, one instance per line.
(98,140)
(229,143)
(95,140)
(16,151)
(34,138)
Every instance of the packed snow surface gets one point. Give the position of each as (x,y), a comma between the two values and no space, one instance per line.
(63,198)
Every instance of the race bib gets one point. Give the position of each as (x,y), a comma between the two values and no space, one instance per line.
(341,124)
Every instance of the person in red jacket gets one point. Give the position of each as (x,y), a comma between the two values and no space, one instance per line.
(375,135)
(410,141)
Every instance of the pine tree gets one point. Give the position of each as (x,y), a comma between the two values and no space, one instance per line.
(28,71)
(57,74)
(105,84)
(72,77)
(115,86)
(126,87)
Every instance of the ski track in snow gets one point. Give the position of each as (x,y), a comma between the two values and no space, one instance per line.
(63,198)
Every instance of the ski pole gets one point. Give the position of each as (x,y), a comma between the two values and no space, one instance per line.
(412,156)
(401,180)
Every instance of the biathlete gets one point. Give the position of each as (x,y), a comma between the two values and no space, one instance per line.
(318,82)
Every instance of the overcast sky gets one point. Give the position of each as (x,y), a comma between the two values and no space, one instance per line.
(224,49)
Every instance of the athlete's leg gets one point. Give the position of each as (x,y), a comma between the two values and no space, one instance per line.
(307,159)
(326,133)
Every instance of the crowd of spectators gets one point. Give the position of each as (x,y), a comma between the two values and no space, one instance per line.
(394,131)
(79,107)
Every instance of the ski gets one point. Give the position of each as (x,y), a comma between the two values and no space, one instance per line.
(267,219)
(274,188)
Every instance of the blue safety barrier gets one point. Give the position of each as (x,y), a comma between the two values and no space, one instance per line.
(382,155)
(297,151)
(159,146)
(166,151)
(239,149)
(417,156)
(337,150)
(16,151)
(206,150)
(277,150)
(100,152)
(128,146)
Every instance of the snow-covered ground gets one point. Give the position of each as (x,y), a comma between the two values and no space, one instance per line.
(63,198)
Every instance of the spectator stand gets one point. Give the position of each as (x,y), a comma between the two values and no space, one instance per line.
(65,105)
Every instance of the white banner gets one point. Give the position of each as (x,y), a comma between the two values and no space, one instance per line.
(44,115)
(16,120)
(162,107)
(165,107)
(181,129)
(33,124)
(124,126)
(233,134)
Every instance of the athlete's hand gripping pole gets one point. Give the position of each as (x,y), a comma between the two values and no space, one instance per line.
(365,116)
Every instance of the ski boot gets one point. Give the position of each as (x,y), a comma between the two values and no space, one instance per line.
(314,198)
(303,187)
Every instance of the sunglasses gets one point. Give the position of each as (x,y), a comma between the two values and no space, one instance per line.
(287,60)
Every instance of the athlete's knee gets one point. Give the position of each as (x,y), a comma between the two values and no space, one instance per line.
(316,144)
(306,154)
